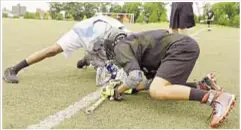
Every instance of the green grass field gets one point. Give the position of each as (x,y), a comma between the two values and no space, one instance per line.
(56,83)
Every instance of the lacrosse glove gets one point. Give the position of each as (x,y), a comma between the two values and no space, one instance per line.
(110,91)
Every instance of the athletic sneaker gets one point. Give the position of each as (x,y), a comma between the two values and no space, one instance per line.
(209,82)
(10,75)
(222,103)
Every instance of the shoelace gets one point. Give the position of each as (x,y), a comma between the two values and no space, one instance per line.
(12,71)
(213,104)
(213,111)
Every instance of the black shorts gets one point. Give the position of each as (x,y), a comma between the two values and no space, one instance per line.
(209,21)
(182,15)
(179,61)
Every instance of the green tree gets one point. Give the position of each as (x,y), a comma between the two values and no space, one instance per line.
(85,17)
(226,13)
(140,18)
(89,9)
(223,20)
(132,7)
(154,17)
(55,8)
(29,15)
(69,16)
(59,16)
(163,17)
(236,20)
(37,15)
(4,15)
(76,9)
(16,17)
(115,8)
(197,18)
(158,8)
(102,6)
(46,15)
(148,8)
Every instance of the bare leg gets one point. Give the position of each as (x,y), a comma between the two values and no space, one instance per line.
(142,87)
(183,31)
(45,53)
(173,30)
(162,89)
(10,74)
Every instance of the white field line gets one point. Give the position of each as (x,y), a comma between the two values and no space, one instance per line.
(209,38)
(68,112)
(219,39)
(197,32)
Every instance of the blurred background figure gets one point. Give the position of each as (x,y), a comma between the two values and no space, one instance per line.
(182,17)
(210,18)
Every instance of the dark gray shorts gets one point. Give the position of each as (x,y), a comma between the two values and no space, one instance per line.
(209,21)
(182,15)
(179,61)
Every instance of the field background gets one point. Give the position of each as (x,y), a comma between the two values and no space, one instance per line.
(56,83)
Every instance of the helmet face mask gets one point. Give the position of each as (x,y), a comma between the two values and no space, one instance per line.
(109,46)
(109,49)
(111,40)
(98,45)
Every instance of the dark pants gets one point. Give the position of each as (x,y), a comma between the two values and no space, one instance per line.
(209,22)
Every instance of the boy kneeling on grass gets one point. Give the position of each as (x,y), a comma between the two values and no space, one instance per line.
(167,61)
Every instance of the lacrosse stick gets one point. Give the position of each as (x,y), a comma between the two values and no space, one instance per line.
(104,95)
(95,105)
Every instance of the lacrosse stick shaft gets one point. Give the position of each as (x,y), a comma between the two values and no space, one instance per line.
(94,106)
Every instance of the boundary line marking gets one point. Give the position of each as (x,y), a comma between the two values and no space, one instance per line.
(68,112)
(220,39)
(197,32)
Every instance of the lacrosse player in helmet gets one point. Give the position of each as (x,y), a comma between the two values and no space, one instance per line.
(83,35)
(167,61)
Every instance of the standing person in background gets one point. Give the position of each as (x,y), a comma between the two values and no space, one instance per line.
(182,17)
(210,18)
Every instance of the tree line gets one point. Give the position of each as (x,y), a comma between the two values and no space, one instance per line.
(147,12)
(226,13)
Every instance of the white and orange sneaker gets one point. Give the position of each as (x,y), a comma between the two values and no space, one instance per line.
(222,103)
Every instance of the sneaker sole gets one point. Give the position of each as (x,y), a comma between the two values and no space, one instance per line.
(8,81)
(231,105)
